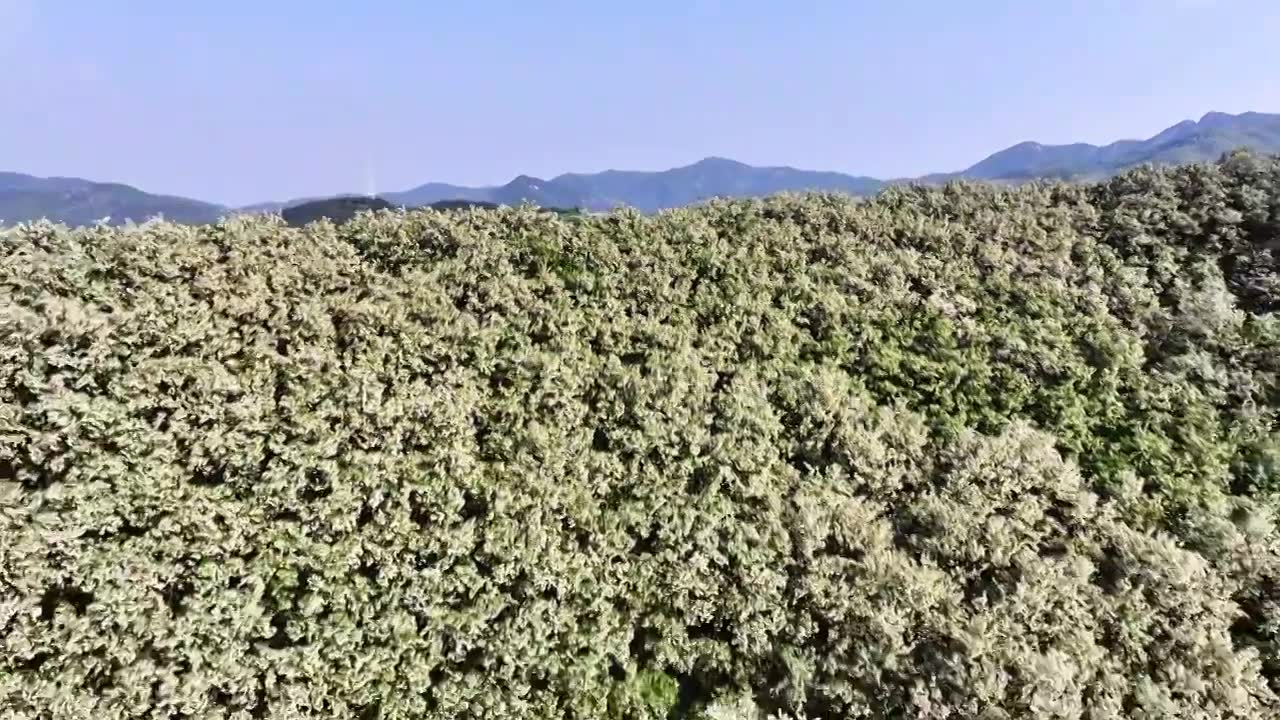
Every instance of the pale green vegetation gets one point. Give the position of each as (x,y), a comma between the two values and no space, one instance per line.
(965,452)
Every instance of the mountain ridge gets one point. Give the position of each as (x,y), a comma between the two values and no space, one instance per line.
(1214,134)
(78,201)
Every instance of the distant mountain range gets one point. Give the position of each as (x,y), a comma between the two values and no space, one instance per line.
(646,191)
(75,201)
(1189,141)
(81,202)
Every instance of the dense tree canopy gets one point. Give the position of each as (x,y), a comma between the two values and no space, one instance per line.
(953,452)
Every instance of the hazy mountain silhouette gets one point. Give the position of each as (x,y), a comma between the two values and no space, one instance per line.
(1188,141)
(83,202)
(76,201)
(646,191)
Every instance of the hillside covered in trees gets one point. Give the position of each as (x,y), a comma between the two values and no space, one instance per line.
(962,451)
(342,209)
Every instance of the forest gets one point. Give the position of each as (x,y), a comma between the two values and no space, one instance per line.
(967,451)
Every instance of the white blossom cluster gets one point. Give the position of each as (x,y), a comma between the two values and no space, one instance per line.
(961,452)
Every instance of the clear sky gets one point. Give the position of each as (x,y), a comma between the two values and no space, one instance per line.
(238,101)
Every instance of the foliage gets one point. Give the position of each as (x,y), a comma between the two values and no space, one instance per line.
(954,452)
(342,209)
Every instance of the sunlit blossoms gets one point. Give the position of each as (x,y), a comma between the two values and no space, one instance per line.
(961,452)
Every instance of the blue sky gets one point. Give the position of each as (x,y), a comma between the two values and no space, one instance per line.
(237,101)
